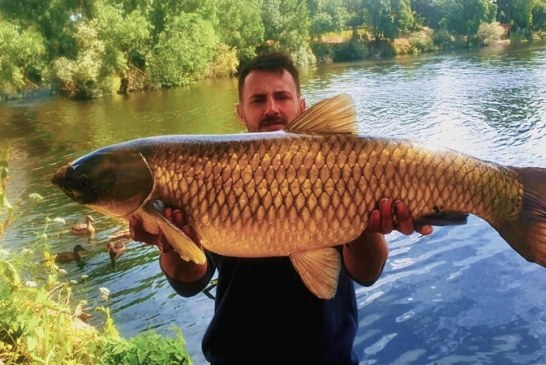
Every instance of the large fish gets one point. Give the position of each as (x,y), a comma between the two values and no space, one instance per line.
(302,191)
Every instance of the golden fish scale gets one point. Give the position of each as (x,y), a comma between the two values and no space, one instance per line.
(270,197)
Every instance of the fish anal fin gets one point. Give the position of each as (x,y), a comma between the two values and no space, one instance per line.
(443,218)
(184,245)
(319,270)
(333,115)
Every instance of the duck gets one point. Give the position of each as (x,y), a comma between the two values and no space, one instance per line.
(83,229)
(115,249)
(123,235)
(69,256)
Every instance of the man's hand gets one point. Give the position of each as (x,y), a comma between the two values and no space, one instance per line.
(171,263)
(175,216)
(394,216)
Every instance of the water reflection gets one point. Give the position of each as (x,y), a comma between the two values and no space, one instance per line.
(459,295)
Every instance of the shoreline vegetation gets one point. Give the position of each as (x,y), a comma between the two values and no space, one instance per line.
(106,47)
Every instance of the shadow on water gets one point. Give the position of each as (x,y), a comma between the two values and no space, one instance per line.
(460,295)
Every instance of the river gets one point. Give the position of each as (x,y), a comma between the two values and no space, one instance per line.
(458,296)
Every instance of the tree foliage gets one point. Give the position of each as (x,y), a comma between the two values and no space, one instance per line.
(240,27)
(388,18)
(98,47)
(326,16)
(21,56)
(465,16)
(186,60)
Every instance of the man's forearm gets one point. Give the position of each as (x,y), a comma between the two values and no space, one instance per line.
(186,278)
(365,257)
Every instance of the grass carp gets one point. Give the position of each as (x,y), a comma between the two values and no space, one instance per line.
(302,191)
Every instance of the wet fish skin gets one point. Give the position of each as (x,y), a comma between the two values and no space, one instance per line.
(300,192)
(309,191)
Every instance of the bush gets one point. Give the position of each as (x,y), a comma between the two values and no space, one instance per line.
(39,325)
(402,46)
(489,33)
(422,41)
(324,52)
(304,56)
(352,50)
(91,74)
(224,63)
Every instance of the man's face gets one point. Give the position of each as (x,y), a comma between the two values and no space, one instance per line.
(269,101)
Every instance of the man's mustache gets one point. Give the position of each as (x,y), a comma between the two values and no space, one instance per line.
(272,120)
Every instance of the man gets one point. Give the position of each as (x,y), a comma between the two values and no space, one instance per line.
(263,311)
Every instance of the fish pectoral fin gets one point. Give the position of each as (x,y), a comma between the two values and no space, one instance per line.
(443,218)
(333,115)
(184,245)
(319,270)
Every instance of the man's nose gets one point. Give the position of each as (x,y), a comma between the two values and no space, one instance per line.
(271,107)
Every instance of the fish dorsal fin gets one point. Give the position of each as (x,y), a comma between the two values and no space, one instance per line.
(181,243)
(319,270)
(333,115)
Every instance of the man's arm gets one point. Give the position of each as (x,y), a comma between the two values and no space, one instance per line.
(365,257)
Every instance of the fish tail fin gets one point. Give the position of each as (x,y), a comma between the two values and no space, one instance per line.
(527,234)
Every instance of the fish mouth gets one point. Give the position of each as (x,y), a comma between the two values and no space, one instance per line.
(71,186)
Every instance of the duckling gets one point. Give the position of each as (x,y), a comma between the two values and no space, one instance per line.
(68,256)
(83,229)
(122,235)
(115,250)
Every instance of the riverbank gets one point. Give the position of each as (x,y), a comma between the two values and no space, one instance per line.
(334,48)
(41,324)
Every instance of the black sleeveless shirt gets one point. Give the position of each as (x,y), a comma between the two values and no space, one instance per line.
(264,314)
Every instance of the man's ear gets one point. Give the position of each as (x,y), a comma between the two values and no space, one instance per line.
(302,104)
(240,112)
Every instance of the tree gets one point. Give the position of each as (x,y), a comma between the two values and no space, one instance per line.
(21,56)
(184,50)
(504,11)
(388,18)
(240,27)
(326,16)
(522,14)
(465,16)
(126,34)
(355,14)
(539,15)
(430,12)
(286,24)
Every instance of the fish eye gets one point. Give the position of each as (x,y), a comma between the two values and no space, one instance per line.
(82,181)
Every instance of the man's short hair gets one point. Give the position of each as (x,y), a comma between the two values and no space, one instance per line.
(270,62)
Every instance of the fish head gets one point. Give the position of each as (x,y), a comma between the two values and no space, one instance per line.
(111,181)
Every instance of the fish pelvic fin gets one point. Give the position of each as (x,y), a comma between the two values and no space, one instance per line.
(319,270)
(333,115)
(184,245)
(527,234)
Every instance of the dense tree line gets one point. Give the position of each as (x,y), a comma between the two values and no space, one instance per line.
(99,47)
